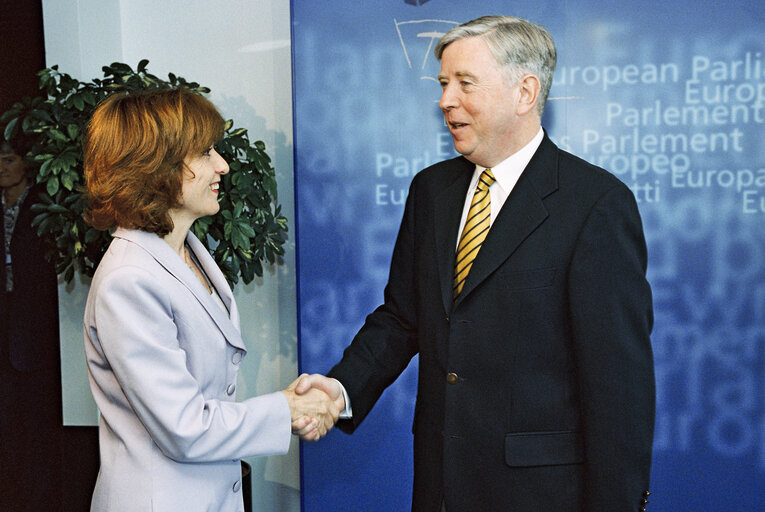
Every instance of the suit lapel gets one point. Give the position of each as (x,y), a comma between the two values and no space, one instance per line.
(169,260)
(522,213)
(448,211)
(218,281)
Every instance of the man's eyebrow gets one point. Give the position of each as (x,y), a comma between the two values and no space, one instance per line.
(459,74)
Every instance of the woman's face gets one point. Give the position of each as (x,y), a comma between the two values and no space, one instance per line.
(199,195)
(12,170)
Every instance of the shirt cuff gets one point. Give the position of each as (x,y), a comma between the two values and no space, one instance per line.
(346,413)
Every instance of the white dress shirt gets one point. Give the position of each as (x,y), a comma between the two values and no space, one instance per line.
(506,173)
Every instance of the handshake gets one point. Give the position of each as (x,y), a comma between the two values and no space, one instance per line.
(315,404)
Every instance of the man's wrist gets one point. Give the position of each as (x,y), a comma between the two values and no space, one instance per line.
(346,413)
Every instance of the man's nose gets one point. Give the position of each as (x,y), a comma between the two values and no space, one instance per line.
(448,99)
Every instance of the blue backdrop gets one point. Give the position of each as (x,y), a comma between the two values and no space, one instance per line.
(669,96)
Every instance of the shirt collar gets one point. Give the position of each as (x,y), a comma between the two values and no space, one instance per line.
(509,170)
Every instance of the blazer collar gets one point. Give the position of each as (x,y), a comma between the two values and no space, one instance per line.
(170,261)
(522,213)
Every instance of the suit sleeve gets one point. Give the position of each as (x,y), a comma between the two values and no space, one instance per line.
(386,342)
(132,317)
(612,317)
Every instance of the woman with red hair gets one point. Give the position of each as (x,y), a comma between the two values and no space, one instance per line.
(162,336)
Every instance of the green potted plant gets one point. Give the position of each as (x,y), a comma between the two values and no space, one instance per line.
(248,232)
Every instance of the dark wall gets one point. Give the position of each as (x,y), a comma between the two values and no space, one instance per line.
(22,55)
(23,49)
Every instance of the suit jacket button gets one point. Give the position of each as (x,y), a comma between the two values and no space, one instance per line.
(452,378)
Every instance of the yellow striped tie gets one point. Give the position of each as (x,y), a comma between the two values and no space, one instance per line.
(475,231)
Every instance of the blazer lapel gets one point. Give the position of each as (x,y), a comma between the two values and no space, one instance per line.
(165,256)
(220,284)
(521,214)
(448,211)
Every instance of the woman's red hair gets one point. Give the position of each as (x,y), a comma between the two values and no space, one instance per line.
(133,155)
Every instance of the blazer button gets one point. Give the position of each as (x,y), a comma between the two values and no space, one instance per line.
(230,389)
(452,378)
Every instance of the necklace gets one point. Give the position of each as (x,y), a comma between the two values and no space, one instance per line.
(191,263)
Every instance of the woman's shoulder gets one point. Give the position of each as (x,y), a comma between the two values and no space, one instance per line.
(125,259)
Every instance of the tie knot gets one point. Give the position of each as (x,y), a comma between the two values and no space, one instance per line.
(485,180)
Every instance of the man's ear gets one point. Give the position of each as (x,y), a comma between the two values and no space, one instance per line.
(528,94)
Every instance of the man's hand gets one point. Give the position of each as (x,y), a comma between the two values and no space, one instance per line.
(330,386)
(313,412)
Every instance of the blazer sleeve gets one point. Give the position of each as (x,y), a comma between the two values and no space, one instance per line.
(386,343)
(612,318)
(132,316)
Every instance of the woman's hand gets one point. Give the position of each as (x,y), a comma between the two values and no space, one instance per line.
(313,412)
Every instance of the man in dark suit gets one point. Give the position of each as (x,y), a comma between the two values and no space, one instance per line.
(518,276)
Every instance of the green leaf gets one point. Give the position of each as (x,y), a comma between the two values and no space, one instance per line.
(238,209)
(10,128)
(57,135)
(38,219)
(52,185)
(69,274)
(78,102)
(67,180)
(90,98)
(121,68)
(57,208)
(247,229)
(41,115)
(245,234)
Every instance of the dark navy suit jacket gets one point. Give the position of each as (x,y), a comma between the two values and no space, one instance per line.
(536,388)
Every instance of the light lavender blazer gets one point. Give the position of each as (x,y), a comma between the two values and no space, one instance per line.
(163,359)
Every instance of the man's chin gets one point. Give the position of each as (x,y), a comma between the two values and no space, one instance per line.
(462,149)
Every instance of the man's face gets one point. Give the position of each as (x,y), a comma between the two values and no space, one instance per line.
(478,105)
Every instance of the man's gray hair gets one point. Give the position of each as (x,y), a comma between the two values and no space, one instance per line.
(518,46)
